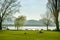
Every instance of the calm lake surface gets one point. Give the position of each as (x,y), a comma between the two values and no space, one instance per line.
(32,27)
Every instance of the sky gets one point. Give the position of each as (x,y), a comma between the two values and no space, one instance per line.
(32,9)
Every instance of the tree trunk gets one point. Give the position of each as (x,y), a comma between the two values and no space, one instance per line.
(17,28)
(56,15)
(0,23)
(47,27)
(57,24)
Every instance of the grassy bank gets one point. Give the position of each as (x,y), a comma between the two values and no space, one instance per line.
(29,35)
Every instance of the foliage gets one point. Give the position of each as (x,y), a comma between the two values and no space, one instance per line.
(54,7)
(47,19)
(19,21)
(8,7)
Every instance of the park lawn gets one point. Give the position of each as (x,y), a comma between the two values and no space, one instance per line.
(29,35)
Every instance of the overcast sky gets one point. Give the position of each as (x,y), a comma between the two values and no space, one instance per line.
(32,9)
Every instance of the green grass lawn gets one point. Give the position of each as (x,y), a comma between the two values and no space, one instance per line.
(30,35)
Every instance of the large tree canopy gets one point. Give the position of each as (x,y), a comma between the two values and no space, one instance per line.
(54,7)
(8,7)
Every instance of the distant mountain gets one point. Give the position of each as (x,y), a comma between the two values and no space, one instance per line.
(37,23)
(32,22)
(28,22)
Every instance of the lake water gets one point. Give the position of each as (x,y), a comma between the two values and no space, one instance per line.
(32,27)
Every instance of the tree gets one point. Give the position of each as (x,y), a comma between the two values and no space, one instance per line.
(8,7)
(54,7)
(19,21)
(47,19)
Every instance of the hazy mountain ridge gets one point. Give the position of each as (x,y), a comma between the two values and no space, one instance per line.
(29,22)
(37,23)
(32,22)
